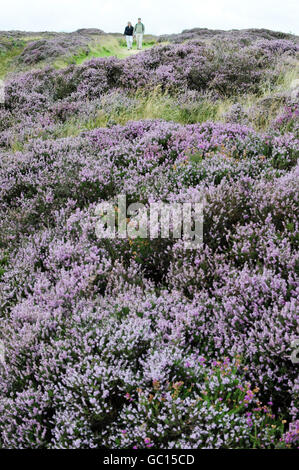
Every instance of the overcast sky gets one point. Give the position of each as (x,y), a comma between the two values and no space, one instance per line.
(159,16)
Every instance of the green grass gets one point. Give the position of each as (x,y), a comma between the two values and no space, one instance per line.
(14,48)
(154,105)
(105,46)
(287,76)
(160,105)
(100,46)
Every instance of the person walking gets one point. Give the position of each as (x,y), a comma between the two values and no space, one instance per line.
(129,31)
(139,32)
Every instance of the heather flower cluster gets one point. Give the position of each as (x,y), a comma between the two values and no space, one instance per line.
(245,36)
(45,50)
(137,343)
(39,103)
(223,68)
(288,119)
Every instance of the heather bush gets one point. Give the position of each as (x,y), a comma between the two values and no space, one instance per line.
(288,120)
(243,37)
(182,82)
(119,384)
(47,49)
(193,66)
(291,437)
(141,343)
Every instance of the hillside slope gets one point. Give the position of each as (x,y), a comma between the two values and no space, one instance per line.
(20,50)
(251,82)
(143,342)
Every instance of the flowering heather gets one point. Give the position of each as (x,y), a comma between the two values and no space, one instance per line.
(193,65)
(289,118)
(139,343)
(47,49)
(245,36)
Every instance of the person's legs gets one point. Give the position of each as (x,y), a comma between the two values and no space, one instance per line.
(139,40)
(131,42)
(128,41)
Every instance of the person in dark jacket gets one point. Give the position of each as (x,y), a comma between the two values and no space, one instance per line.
(129,31)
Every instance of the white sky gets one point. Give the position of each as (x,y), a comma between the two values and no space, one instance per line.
(159,16)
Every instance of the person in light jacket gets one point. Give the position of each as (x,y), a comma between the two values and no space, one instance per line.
(129,35)
(139,32)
